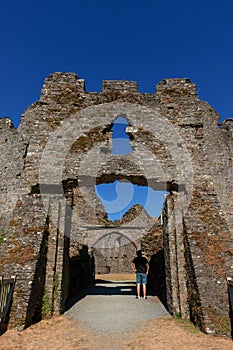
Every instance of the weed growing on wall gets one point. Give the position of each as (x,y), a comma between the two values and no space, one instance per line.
(46,305)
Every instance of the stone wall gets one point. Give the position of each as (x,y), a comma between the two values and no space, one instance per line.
(62,149)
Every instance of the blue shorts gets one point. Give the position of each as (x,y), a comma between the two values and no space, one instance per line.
(141,278)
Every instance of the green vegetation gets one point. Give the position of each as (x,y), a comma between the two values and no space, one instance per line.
(46,306)
(47,302)
(185,323)
(2,234)
(55,285)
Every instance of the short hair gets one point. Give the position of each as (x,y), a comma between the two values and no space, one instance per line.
(139,252)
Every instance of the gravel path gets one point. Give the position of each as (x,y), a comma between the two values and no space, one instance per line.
(112,307)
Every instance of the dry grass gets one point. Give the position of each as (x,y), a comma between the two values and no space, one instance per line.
(61,333)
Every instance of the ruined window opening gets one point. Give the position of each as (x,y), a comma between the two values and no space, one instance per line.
(118,197)
(120,139)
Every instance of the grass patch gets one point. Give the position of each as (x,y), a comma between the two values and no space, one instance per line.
(186,324)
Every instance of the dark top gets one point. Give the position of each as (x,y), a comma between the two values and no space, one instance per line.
(140,263)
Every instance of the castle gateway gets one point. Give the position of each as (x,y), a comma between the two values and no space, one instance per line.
(50,213)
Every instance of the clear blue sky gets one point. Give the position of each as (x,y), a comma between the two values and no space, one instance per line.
(119,197)
(145,41)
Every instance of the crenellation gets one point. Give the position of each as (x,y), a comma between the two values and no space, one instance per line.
(174,87)
(58,83)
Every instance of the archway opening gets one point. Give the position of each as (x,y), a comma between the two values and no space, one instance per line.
(119,196)
(122,189)
(113,253)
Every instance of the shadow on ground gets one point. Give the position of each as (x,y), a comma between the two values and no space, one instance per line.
(104,287)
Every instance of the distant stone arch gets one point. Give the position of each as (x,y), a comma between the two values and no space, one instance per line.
(113,253)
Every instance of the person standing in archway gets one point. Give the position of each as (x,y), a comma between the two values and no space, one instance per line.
(140,265)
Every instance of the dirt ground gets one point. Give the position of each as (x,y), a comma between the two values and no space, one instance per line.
(61,333)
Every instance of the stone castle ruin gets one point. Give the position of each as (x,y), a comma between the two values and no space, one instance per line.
(54,229)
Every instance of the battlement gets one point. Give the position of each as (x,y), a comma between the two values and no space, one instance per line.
(176,86)
(59,82)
